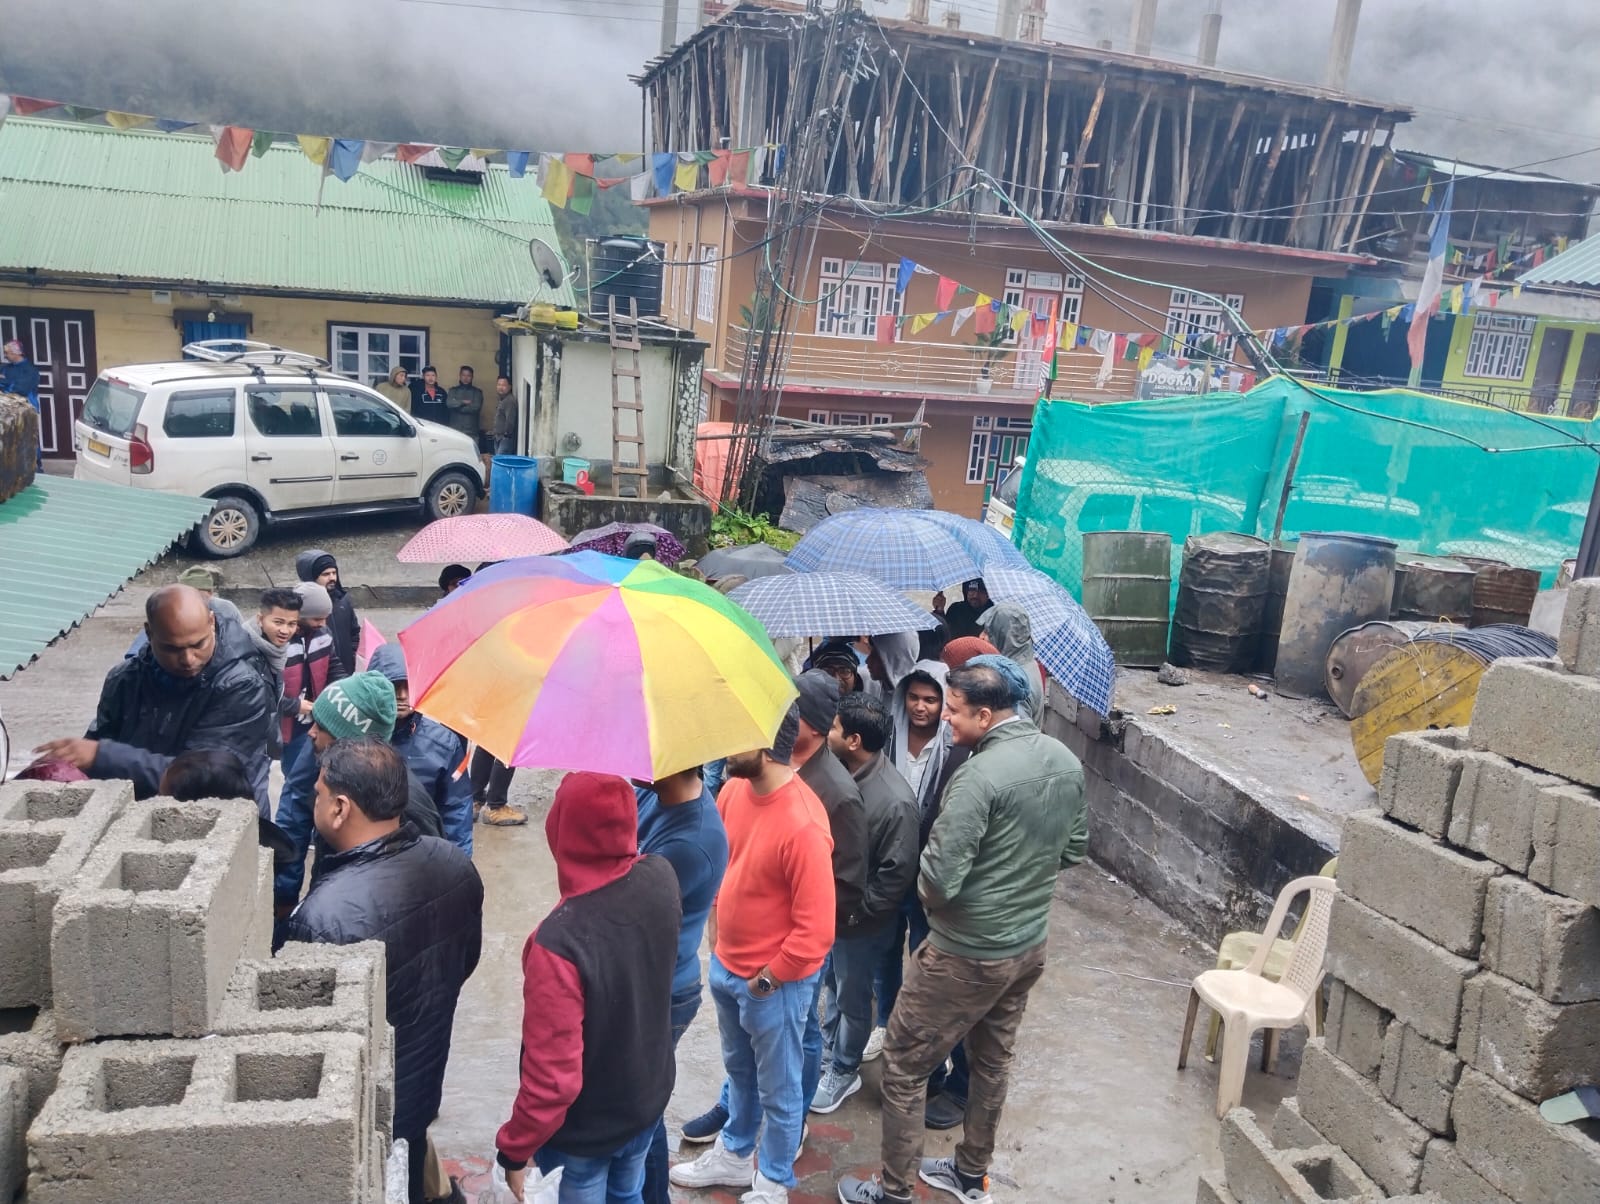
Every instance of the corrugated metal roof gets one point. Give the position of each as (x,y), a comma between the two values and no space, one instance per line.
(69,545)
(1478,171)
(1578,264)
(90,200)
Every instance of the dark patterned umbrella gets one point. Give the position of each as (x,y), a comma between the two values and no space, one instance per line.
(613,537)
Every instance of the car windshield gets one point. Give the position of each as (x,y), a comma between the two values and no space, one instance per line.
(112,406)
(1007,491)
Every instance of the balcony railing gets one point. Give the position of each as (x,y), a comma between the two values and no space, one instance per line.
(1576,402)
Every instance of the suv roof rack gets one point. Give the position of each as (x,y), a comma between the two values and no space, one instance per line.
(251,354)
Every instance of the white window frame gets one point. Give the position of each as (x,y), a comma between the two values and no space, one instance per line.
(363,353)
(852,295)
(1066,289)
(821,417)
(705,307)
(882,419)
(1500,346)
(983,458)
(1193,316)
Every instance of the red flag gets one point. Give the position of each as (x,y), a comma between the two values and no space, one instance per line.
(1047,353)
(983,319)
(945,293)
(579,164)
(717,169)
(26,106)
(885,330)
(233,147)
(410,152)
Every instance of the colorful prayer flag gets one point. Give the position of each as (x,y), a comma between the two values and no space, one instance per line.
(686,176)
(945,292)
(233,146)
(920,322)
(579,164)
(983,316)
(719,167)
(316,149)
(662,166)
(961,318)
(406,152)
(557,182)
(902,279)
(583,194)
(517,164)
(1432,279)
(122,121)
(344,157)
(261,143)
(27,106)
(639,186)
(885,332)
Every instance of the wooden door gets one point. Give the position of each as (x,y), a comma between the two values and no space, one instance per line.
(61,343)
(1586,388)
(1553,348)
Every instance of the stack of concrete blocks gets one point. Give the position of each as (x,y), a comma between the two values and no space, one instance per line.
(123,919)
(1464,957)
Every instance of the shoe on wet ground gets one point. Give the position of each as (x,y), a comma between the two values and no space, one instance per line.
(833,1089)
(943,1174)
(866,1191)
(874,1049)
(942,1113)
(707,1125)
(502,815)
(765,1191)
(717,1167)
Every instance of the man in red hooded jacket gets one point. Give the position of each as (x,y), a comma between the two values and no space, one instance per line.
(597,1060)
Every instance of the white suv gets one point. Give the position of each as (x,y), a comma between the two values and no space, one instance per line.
(270,436)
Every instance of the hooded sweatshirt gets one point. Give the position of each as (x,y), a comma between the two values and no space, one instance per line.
(1007,627)
(597,1060)
(344,625)
(433,753)
(898,652)
(944,754)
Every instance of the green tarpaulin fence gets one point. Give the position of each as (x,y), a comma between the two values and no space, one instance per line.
(1435,475)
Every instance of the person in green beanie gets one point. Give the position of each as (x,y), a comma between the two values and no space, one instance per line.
(354,708)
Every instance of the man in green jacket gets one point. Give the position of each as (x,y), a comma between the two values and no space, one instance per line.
(1012,818)
(464,402)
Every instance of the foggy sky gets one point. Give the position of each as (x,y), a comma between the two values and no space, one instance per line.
(1493,82)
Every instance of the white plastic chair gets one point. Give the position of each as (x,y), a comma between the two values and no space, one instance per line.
(1246,1000)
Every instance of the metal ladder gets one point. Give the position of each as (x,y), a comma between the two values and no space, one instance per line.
(625,348)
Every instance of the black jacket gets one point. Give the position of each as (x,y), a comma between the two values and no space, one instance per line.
(146,717)
(892,817)
(847,820)
(342,623)
(423,899)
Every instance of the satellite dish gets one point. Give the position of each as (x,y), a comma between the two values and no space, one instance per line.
(547,261)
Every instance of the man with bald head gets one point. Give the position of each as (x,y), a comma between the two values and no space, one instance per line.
(196,685)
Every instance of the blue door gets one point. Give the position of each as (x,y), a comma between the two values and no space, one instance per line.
(200,332)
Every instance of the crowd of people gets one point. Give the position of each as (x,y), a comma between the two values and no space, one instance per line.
(492,423)
(876,883)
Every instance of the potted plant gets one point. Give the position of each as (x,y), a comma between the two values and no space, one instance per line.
(990,348)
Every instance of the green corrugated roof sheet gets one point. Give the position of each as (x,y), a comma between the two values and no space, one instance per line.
(69,545)
(145,206)
(1578,264)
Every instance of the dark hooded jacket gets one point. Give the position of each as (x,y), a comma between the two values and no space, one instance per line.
(342,623)
(423,899)
(597,1059)
(945,757)
(831,782)
(146,717)
(433,753)
(891,812)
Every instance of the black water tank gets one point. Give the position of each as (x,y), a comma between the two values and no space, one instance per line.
(625,266)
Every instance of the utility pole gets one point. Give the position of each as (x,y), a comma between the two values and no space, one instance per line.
(821,77)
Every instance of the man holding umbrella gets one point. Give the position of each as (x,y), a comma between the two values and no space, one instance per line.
(962,618)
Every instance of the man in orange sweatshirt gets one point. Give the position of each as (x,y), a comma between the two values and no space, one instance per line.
(771,929)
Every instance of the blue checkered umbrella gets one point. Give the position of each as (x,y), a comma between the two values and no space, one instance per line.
(1065,637)
(805,604)
(987,544)
(905,549)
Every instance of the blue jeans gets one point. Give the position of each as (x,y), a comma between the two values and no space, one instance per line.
(761,1051)
(616,1179)
(656,1188)
(847,980)
(811,1044)
(914,924)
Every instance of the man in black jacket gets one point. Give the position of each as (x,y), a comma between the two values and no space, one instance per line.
(597,1057)
(860,731)
(422,898)
(316,565)
(197,684)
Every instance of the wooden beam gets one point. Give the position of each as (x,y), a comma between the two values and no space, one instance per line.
(1246,174)
(1180,169)
(1217,154)
(1308,188)
(1037,208)
(891,119)
(1069,202)
(1149,167)
(1357,174)
(1015,172)
(981,121)
(1273,156)
(1372,183)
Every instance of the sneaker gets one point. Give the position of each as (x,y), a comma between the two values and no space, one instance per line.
(874,1049)
(833,1090)
(477,809)
(946,1176)
(866,1191)
(942,1112)
(765,1191)
(503,815)
(717,1167)
(705,1126)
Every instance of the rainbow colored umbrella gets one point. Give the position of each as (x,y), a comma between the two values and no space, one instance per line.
(589,661)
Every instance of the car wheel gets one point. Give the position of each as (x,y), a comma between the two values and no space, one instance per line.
(230,528)
(451,493)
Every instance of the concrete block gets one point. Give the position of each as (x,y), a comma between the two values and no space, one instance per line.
(396,1185)
(1400,971)
(1419,1076)
(258,936)
(1421,771)
(1415,880)
(1259,1173)
(46,831)
(1348,1109)
(1566,843)
(29,1043)
(1504,1139)
(1290,1130)
(1547,942)
(145,941)
(1578,646)
(1444,1172)
(383,1084)
(1535,712)
(1536,1048)
(13,1130)
(1494,809)
(193,1122)
(1354,1028)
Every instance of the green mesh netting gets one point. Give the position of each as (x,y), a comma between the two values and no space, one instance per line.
(1435,475)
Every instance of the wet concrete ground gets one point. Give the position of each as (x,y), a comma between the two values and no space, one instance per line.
(1096,1110)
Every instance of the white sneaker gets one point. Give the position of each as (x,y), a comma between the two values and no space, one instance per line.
(717,1167)
(765,1191)
(874,1049)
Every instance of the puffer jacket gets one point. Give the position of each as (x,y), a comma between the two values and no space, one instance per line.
(310,663)
(1011,819)
(423,899)
(343,623)
(434,755)
(146,717)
